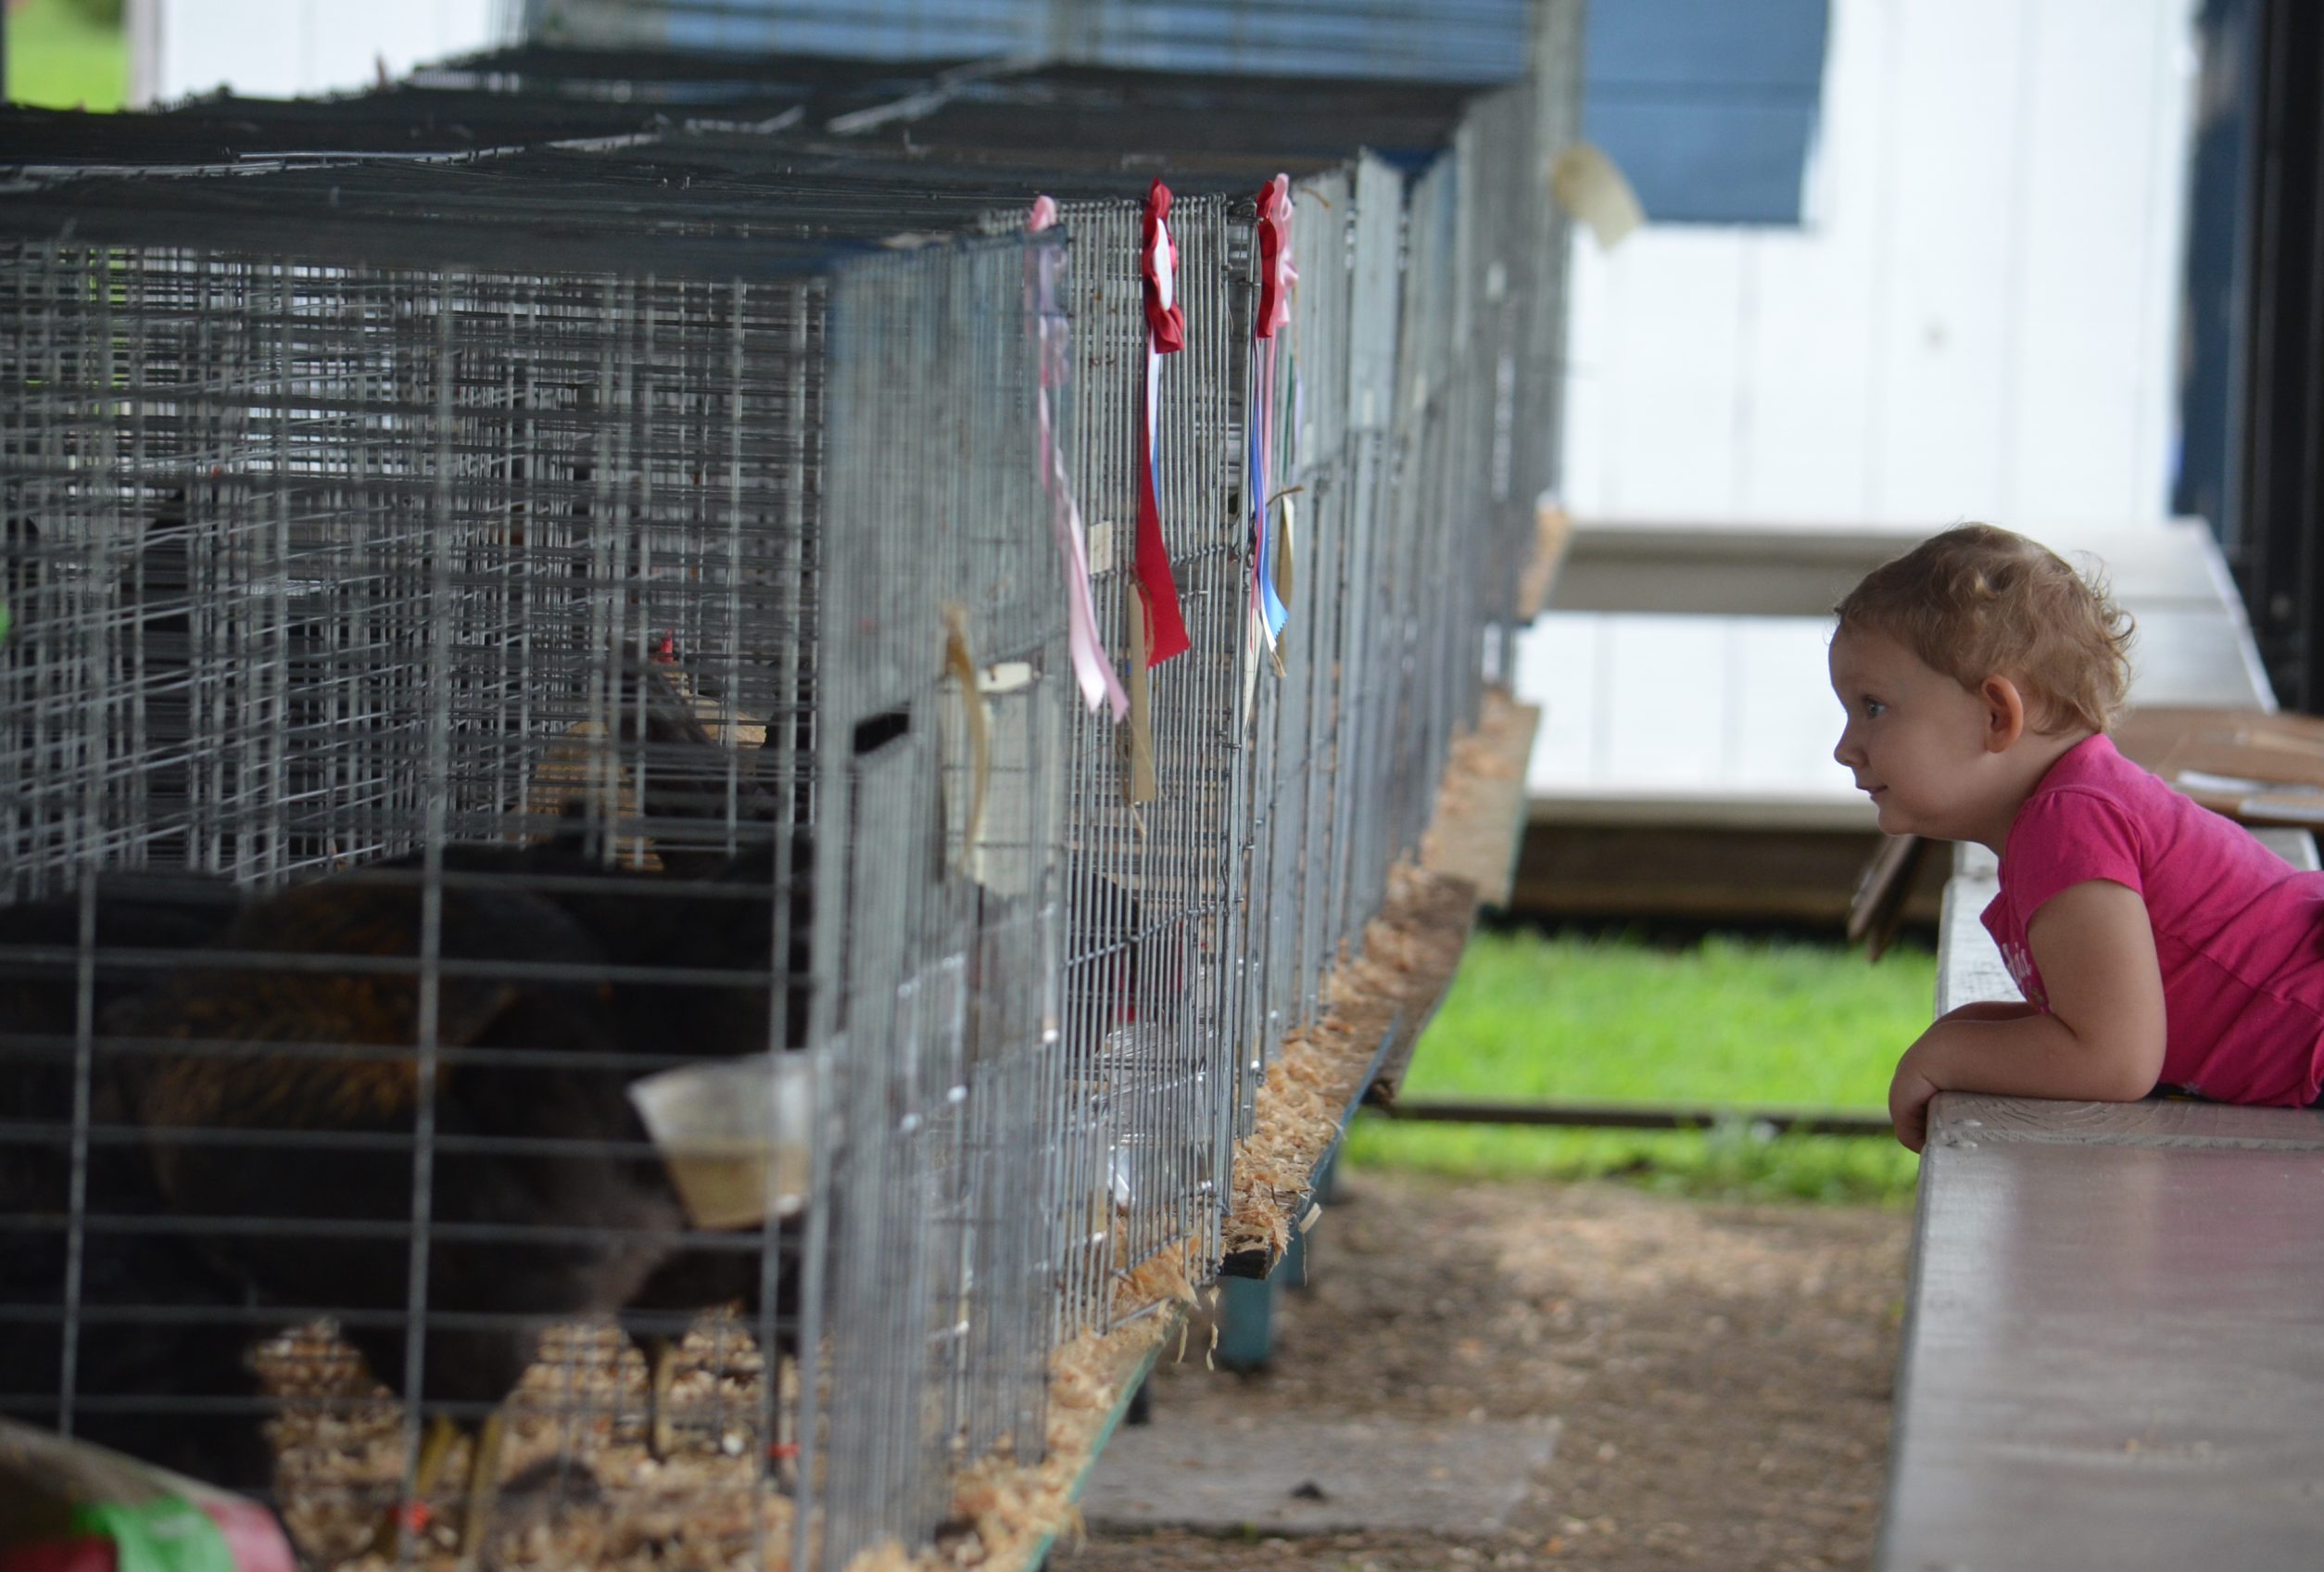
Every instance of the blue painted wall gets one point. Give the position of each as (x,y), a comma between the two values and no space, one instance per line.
(1708,106)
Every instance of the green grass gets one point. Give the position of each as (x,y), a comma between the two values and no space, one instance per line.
(60,57)
(1730,1022)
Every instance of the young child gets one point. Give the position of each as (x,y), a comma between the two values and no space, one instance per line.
(2155,941)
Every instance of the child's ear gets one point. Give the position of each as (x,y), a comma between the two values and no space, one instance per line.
(2005,713)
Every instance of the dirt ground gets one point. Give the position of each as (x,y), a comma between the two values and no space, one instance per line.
(1721,1374)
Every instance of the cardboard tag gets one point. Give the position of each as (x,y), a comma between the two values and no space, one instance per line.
(960,664)
(1139,784)
(1591,187)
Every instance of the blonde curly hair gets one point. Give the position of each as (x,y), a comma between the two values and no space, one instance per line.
(1977,602)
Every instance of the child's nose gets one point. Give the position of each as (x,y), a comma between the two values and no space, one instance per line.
(1845,752)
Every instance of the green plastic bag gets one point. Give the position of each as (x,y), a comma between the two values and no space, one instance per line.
(67,1506)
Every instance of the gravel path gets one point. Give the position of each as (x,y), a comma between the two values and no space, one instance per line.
(1721,1374)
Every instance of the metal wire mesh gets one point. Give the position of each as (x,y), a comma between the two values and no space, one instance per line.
(615,571)
(323,566)
(943,1009)
(312,565)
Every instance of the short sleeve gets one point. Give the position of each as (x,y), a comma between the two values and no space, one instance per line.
(2065,838)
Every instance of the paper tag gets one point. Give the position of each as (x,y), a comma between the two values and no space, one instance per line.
(960,664)
(1283,553)
(1590,187)
(1002,860)
(1138,779)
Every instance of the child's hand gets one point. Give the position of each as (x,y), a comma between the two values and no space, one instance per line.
(1909,1092)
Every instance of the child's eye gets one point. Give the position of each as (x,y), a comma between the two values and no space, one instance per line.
(1874,708)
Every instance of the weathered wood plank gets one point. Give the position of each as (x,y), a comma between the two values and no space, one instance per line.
(1969,966)
(1800,570)
(1700,871)
(1969,1120)
(2114,1360)
(1481,822)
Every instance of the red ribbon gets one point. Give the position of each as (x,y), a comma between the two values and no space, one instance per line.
(1274,238)
(1166,335)
(1165,624)
(1165,323)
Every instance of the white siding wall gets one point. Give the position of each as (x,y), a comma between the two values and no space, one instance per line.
(294,48)
(1978,319)
(1688,707)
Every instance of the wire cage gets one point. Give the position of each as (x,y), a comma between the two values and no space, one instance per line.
(1293,898)
(589,596)
(464,659)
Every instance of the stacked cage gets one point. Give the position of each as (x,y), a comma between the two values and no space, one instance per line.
(1392,385)
(640,541)
(1314,737)
(512,657)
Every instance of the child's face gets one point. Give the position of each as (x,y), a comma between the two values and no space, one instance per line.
(1915,739)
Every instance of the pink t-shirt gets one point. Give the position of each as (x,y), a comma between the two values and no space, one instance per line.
(2240,933)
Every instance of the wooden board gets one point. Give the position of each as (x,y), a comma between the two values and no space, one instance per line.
(1260,1261)
(1705,872)
(1876,912)
(1969,965)
(1801,570)
(1481,811)
(1553,534)
(2254,766)
(1973,1118)
(1128,1390)
(1448,912)
(2114,1351)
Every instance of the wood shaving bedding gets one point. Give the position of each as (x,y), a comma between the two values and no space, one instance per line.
(580,1409)
(1008,1513)
(1481,805)
(1411,952)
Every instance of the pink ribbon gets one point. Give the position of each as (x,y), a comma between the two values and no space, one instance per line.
(1092,667)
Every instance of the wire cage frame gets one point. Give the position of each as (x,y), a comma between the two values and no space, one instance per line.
(449,574)
(684,545)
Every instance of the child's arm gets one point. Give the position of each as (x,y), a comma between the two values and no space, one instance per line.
(2101,1041)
